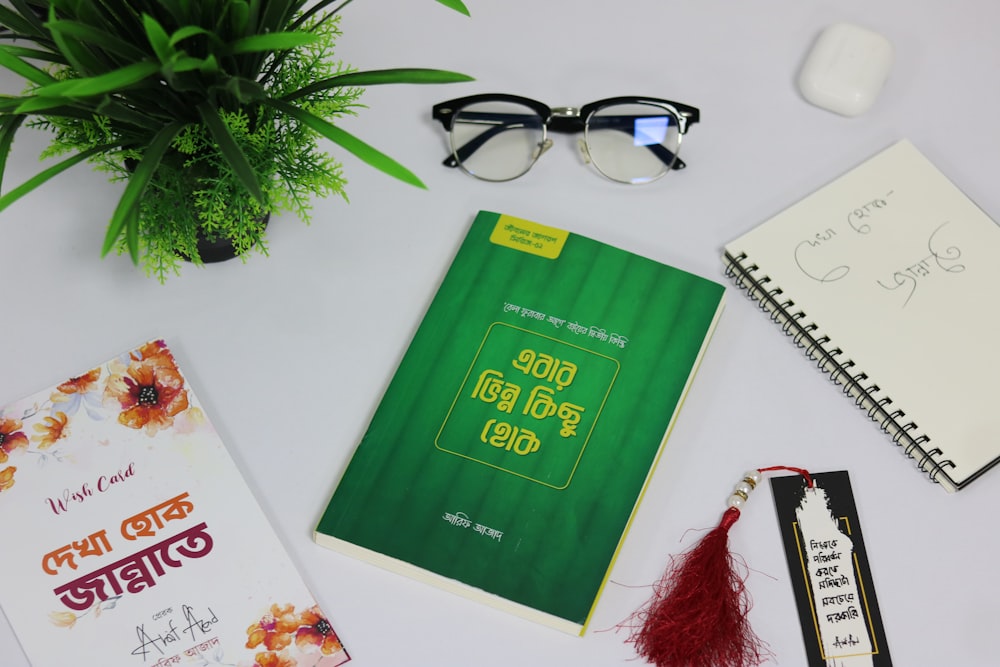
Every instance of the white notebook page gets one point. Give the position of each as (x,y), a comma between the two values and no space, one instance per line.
(901,270)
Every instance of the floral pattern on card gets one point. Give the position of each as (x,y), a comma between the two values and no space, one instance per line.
(311,632)
(143,390)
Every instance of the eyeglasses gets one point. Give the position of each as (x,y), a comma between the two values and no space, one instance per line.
(498,137)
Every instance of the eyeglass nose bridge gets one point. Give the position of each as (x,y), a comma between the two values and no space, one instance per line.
(566,120)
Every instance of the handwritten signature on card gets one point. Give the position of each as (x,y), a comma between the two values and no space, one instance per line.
(193,628)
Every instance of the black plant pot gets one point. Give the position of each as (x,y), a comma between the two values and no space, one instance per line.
(219,250)
(210,250)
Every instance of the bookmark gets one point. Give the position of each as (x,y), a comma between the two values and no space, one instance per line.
(697,616)
(830,575)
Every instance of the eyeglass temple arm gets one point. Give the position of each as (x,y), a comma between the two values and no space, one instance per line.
(503,122)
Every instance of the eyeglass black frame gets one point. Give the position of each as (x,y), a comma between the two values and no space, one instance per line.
(564,120)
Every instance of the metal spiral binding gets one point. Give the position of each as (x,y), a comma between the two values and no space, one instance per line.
(855,383)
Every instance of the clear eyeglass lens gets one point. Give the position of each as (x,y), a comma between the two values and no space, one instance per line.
(497,141)
(633,143)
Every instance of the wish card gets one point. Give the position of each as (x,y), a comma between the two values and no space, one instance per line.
(130,537)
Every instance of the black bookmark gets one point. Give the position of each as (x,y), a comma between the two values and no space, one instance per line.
(829,571)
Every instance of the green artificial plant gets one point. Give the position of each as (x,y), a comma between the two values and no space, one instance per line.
(211,110)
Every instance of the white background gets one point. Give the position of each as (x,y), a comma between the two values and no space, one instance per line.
(290,353)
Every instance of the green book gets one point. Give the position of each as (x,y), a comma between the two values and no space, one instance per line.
(513,444)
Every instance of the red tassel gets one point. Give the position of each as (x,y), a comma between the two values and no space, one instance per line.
(698,614)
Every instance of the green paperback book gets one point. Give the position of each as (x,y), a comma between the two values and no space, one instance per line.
(513,444)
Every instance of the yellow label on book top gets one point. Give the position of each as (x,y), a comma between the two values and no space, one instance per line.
(529,236)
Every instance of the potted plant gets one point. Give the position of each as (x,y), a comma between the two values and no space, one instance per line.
(211,110)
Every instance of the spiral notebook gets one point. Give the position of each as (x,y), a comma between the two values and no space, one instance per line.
(888,279)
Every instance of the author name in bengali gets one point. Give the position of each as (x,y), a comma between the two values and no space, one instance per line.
(171,630)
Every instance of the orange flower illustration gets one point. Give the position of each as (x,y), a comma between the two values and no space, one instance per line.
(76,392)
(150,392)
(81,384)
(272,659)
(275,629)
(62,619)
(11,437)
(317,631)
(7,477)
(51,430)
(155,352)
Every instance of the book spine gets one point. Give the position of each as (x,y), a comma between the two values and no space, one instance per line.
(832,360)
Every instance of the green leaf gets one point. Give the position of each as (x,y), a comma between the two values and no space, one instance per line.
(45,175)
(275,41)
(76,54)
(457,5)
(132,235)
(26,10)
(108,82)
(20,24)
(10,61)
(137,184)
(348,142)
(34,54)
(8,127)
(158,38)
(210,66)
(111,108)
(105,41)
(275,16)
(253,15)
(35,104)
(51,107)
(239,17)
(244,90)
(182,63)
(178,11)
(321,6)
(187,32)
(230,150)
(107,15)
(9,104)
(377,77)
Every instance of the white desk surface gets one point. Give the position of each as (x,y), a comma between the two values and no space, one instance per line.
(290,353)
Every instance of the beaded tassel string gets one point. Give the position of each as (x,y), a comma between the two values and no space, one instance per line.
(697,616)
